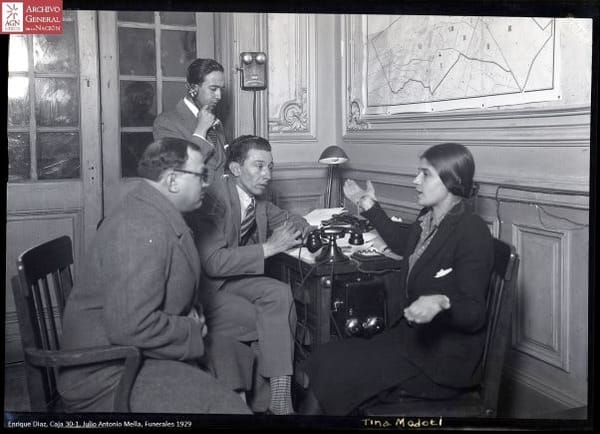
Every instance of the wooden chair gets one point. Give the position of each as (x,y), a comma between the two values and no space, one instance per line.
(483,400)
(41,290)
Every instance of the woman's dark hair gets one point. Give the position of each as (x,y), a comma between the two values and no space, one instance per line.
(163,154)
(200,68)
(239,148)
(455,166)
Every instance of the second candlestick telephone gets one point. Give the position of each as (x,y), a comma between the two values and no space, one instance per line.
(336,227)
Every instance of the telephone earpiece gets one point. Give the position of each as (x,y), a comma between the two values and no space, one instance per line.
(192,91)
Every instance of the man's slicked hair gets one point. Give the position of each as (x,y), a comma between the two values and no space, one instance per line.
(239,148)
(164,154)
(200,68)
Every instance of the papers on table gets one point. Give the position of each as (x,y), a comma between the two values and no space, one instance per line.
(316,216)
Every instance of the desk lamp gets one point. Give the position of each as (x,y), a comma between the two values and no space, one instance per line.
(332,156)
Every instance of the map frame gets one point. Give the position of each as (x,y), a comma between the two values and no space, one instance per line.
(358,110)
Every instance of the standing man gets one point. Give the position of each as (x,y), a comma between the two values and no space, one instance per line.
(194,119)
(138,287)
(236,230)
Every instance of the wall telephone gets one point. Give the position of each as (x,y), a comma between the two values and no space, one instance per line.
(253,70)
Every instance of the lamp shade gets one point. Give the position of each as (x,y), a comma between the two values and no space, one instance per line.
(333,155)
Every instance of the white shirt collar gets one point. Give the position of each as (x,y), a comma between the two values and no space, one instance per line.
(191,106)
(245,200)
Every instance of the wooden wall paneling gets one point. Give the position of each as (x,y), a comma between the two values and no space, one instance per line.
(299,186)
(541,323)
(292,80)
(550,323)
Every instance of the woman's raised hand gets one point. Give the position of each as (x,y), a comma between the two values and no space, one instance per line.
(362,198)
(352,191)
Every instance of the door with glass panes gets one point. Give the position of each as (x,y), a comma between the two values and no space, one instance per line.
(144,57)
(80,112)
(54,183)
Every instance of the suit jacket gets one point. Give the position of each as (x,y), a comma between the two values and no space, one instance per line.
(136,287)
(181,123)
(450,347)
(216,226)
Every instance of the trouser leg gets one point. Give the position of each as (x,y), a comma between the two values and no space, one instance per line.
(275,321)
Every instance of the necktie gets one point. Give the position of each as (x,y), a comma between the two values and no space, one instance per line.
(247,222)
(211,135)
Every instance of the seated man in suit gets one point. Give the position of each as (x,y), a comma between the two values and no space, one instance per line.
(194,119)
(236,230)
(138,287)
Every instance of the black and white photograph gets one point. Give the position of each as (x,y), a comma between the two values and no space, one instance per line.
(301,216)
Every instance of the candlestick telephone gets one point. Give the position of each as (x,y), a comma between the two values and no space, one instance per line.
(358,300)
(337,227)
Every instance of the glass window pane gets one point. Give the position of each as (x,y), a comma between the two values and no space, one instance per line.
(137,16)
(178,49)
(19,158)
(56,53)
(17,54)
(136,52)
(56,102)
(178,18)
(18,101)
(132,148)
(138,103)
(58,155)
(172,93)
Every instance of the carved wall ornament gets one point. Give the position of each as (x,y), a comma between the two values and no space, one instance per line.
(293,116)
(354,120)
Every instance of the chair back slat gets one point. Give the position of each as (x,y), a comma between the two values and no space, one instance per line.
(500,304)
(40,326)
(44,282)
(51,308)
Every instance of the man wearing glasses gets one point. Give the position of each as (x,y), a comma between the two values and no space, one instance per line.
(236,229)
(138,287)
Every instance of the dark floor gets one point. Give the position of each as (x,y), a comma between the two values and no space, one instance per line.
(16,397)
(527,404)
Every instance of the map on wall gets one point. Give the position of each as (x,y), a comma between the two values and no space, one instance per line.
(416,63)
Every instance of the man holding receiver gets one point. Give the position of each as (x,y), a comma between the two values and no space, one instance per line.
(194,119)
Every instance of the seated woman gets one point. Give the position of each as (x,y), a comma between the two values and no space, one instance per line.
(434,350)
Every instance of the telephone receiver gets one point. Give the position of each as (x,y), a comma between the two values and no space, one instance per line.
(326,236)
(315,238)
